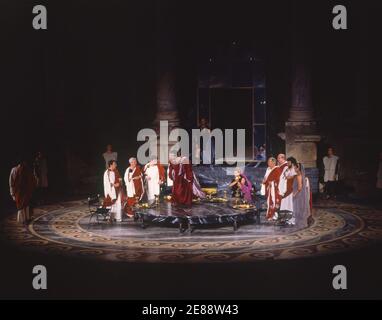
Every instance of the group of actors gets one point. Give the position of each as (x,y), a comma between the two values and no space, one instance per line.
(287,190)
(145,183)
(285,186)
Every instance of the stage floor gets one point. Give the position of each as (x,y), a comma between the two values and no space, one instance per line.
(64,229)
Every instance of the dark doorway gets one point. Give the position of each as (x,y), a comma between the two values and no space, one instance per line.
(232,109)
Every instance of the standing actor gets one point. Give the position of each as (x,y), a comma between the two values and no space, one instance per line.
(134,182)
(109,155)
(154,173)
(180,172)
(331,167)
(112,183)
(286,186)
(22,184)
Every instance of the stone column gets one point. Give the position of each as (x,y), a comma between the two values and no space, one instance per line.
(362,68)
(166,95)
(165,75)
(300,129)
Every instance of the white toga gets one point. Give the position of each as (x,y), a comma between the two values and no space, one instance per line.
(330,164)
(153,186)
(109,189)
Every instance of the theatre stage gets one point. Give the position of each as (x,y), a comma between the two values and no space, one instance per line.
(64,229)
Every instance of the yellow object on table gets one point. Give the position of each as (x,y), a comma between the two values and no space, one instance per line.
(210,191)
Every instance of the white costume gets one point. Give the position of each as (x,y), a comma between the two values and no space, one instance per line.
(108,183)
(153,181)
(283,180)
(287,202)
(330,164)
(129,181)
(110,156)
(130,189)
(267,172)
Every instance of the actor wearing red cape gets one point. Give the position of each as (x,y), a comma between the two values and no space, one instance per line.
(134,185)
(114,195)
(22,183)
(180,172)
(272,187)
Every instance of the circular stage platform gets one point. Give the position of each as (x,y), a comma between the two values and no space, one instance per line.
(64,229)
(203,214)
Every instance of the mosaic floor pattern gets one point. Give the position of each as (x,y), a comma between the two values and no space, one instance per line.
(64,229)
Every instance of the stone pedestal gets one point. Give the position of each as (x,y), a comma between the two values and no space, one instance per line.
(301,142)
(166,100)
(165,65)
(165,74)
(300,130)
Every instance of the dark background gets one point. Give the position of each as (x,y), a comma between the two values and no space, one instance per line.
(90,79)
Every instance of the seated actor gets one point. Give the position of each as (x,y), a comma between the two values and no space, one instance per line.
(240,183)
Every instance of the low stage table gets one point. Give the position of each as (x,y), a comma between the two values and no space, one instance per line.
(202,214)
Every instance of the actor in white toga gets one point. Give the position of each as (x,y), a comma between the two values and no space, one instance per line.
(134,182)
(112,183)
(331,166)
(286,189)
(154,173)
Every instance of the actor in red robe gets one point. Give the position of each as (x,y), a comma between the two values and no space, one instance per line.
(134,185)
(180,172)
(272,182)
(271,187)
(22,184)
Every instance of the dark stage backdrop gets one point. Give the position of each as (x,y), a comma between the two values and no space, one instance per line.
(90,78)
(232,109)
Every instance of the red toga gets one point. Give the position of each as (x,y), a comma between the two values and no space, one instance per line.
(182,177)
(274,177)
(108,202)
(24,185)
(161,171)
(136,178)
